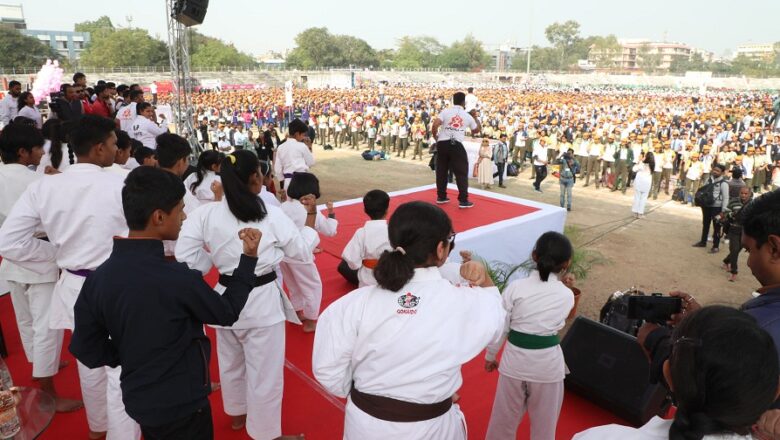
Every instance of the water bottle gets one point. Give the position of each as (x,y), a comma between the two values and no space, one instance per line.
(10,425)
(5,376)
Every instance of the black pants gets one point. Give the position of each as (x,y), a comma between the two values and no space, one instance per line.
(541,174)
(350,275)
(196,426)
(452,156)
(500,173)
(735,246)
(708,214)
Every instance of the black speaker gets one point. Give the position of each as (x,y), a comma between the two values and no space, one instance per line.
(190,12)
(609,368)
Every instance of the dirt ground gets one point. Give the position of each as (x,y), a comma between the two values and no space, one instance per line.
(654,254)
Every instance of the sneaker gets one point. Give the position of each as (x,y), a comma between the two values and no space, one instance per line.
(465,205)
(714,250)
(700,244)
(442,201)
(568,209)
(537,190)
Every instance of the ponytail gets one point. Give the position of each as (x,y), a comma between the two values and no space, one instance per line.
(235,172)
(207,159)
(693,426)
(54,132)
(415,231)
(552,252)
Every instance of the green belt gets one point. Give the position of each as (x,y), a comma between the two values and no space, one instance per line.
(532,342)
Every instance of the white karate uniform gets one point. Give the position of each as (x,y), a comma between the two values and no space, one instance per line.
(30,292)
(368,243)
(407,345)
(656,429)
(292,157)
(203,192)
(269,198)
(46,158)
(118,170)
(81,211)
(302,277)
(146,131)
(530,379)
(251,352)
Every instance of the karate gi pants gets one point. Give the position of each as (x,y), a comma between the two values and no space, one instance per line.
(514,397)
(100,386)
(251,371)
(42,345)
(106,412)
(305,287)
(359,425)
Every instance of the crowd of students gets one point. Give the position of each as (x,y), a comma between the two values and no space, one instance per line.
(76,234)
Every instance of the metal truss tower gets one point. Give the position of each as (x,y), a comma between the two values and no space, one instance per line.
(179,54)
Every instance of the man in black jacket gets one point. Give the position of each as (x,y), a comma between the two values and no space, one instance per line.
(146,314)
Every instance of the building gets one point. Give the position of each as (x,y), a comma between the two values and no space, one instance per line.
(12,16)
(68,44)
(271,60)
(503,56)
(757,52)
(633,53)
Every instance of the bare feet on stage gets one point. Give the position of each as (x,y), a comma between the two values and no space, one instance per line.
(215,386)
(62,365)
(237,423)
(96,435)
(317,250)
(309,325)
(63,405)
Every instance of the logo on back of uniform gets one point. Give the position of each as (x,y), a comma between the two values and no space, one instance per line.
(407,301)
(456,122)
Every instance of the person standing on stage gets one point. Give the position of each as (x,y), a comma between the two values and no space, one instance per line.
(293,155)
(370,345)
(449,129)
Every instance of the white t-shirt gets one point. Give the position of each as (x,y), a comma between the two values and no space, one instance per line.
(471,102)
(454,123)
(145,131)
(540,155)
(126,115)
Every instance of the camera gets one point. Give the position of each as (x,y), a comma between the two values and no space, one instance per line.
(654,308)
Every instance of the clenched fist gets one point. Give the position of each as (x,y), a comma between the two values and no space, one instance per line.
(251,238)
(476,274)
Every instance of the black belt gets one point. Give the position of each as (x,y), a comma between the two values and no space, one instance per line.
(262,280)
(393,410)
(450,142)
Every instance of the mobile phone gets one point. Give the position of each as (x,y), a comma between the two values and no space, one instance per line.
(654,308)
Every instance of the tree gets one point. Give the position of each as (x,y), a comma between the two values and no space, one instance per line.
(356,52)
(694,64)
(563,36)
(101,24)
(542,59)
(20,50)
(316,47)
(648,60)
(605,50)
(467,54)
(213,52)
(417,52)
(125,47)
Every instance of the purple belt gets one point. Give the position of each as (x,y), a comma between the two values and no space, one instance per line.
(81,272)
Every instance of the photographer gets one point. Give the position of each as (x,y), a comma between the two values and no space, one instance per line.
(761,239)
(569,169)
(733,227)
(712,210)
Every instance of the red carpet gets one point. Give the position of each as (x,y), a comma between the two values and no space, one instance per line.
(487,210)
(306,407)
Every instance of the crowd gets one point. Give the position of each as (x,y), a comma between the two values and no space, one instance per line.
(108,232)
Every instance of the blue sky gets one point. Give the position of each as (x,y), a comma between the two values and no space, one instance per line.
(256,26)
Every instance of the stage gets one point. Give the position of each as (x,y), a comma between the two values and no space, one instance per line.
(497,228)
